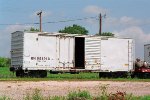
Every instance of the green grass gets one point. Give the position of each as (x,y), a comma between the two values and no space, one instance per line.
(91,76)
(145,98)
(6,75)
(4,71)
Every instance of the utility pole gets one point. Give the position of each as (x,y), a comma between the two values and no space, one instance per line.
(40,16)
(100,23)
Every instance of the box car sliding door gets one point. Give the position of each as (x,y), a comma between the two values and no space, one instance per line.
(92,53)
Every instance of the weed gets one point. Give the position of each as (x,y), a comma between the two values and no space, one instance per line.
(27,97)
(117,96)
(57,98)
(36,95)
(5,98)
(103,95)
(80,95)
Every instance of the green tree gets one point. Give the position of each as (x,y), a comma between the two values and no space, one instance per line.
(106,34)
(4,62)
(32,29)
(75,29)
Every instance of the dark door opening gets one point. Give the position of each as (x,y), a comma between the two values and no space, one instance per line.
(79,52)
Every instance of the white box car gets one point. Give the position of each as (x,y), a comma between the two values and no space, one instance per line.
(35,53)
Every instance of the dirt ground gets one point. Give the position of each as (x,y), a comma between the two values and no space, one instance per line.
(18,89)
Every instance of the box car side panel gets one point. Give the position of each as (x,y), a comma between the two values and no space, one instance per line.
(39,52)
(116,55)
(47,52)
(30,50)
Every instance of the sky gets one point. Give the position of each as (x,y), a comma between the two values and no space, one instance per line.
(124,18)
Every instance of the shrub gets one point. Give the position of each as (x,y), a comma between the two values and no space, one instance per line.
(4,62)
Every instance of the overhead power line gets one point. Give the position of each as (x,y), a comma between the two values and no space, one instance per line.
(20,24)
(60,21)
(70,20)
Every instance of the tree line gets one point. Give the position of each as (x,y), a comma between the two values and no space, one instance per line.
(74,29)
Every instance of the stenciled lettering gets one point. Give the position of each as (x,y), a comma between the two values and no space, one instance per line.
(40,58)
